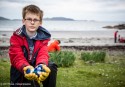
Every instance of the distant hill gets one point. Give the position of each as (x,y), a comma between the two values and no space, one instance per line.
(51,19)
(2,18)
(59,19)
(17,19)
(119,26)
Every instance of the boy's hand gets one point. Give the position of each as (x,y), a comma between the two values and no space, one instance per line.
(29,73)
(42,71)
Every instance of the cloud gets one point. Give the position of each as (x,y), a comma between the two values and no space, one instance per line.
(17,1)
(79,9)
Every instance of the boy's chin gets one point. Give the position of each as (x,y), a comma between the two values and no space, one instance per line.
(32,30)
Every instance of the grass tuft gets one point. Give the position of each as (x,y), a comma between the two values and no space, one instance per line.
(96,56)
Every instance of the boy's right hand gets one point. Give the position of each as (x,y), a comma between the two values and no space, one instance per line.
(29,73)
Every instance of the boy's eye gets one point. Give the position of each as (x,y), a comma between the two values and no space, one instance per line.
(29,19)
(35,20)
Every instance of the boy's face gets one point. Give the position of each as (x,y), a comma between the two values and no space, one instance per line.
(31,22)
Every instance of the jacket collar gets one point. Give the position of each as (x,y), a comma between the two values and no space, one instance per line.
(42,33)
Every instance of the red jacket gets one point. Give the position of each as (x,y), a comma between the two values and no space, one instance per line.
(115,34)
(17,54)
(54,46)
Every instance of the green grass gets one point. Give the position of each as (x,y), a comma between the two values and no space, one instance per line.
(96,75)
(82,74)
(4,71)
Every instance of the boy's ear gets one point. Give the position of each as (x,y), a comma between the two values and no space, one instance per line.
(23,21)
(41,23)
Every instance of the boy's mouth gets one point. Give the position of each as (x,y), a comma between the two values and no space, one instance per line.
(32,27)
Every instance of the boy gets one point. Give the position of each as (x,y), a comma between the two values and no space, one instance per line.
(28,52)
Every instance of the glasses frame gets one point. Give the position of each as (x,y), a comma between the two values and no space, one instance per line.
(30,20)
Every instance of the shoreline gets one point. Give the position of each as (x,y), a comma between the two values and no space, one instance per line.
(118,47)
(92,41)
(83,47)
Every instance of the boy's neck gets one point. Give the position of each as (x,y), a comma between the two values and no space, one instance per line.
(31,34)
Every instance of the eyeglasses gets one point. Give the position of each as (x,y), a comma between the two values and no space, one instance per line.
(34,20)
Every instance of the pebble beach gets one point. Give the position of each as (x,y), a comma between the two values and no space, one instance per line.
(73,38)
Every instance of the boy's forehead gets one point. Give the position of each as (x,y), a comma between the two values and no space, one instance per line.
(32,15)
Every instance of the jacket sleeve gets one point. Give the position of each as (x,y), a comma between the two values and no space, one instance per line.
(16,54)
(43,56)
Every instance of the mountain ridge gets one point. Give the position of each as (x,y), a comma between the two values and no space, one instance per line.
(59,18)
(3,18)
(53,18)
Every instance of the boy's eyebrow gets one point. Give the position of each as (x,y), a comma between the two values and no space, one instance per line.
(31,18)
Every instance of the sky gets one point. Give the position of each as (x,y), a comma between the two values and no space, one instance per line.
(100,10)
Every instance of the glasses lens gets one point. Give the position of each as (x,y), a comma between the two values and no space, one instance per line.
(34,20)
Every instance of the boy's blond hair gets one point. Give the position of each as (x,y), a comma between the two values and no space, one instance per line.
(32,9)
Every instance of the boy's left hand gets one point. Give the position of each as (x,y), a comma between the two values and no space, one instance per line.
(42,71)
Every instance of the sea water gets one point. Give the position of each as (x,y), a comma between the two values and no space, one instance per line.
(66,29)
